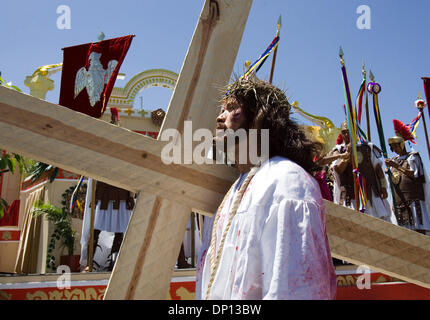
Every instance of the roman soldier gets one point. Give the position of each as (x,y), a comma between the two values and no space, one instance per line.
(370,167)
(409,181)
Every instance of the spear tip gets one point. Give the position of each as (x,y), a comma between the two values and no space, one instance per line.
(101,36)
(372,77)
(419,96)
(340,52)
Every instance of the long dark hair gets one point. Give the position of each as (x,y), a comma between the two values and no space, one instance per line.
(266,107)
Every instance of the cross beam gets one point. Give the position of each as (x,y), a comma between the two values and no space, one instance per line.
(81,144)
(84,145)
(144,266)
(364,240)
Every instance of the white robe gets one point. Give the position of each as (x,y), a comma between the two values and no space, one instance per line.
(378,208)
(277,245)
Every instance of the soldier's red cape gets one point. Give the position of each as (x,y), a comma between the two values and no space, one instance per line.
(77,57)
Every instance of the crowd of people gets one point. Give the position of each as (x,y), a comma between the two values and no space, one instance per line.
(396,194)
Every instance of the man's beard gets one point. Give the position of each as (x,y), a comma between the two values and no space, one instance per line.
(222,137)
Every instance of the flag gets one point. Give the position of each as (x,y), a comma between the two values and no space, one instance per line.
(74,197)
(359,100)
(262,58)
(426,87)
(89,74)
(414,125)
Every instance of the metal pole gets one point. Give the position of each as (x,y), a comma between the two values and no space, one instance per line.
(278,29)
(367,117)
(193,240)
(91,244)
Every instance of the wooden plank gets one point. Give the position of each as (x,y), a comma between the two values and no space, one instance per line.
(149,250)
(208,64)
(92,147)
(364,240)
(195,98)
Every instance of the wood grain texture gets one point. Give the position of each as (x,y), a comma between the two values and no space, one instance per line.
(208,64)
(219,29)
(88,146)
(364,240)
(149,250)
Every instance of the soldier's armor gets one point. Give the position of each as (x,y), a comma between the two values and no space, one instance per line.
(364,155)
(411,188)
(407,191)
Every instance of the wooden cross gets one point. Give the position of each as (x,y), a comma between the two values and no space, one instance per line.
(169,193)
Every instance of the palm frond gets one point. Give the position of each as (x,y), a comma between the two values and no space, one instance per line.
(38,169)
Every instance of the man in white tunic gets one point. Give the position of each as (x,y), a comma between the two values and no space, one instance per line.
(268,238)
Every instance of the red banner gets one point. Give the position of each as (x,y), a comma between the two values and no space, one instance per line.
(89,74)
(427,89)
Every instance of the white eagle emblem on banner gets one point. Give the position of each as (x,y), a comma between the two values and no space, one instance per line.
(95,79)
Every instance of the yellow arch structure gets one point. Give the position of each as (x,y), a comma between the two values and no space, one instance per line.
(124,97)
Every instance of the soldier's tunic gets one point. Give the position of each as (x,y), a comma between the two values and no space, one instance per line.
(368,160)
(410,193)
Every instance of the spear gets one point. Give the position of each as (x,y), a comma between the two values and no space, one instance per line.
(374,89)
(278,30)
(351,127)
(366,106)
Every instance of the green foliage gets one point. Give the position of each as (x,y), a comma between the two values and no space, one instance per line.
(62,229)
(36,171)
(3,207)
(9,163)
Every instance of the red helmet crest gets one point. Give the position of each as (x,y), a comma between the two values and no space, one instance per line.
(402,130)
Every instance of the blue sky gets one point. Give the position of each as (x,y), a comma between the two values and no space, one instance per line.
(307,65)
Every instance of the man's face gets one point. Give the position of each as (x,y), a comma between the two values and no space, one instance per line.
(345,136)
(231,116)
(396,147)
